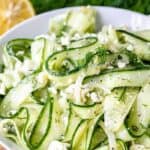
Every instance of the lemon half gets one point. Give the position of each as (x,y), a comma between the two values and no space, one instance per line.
(13,12)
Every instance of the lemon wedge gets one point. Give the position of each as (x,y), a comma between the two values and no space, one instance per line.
(13,12)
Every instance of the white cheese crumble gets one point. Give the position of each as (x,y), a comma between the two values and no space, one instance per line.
(110,67)
(65,40)
(76,36)
(121,64)
(75,89)
(56,145)
(27,67)
(123,61)
(19,53)
(137,147)
(70,89)
(65,119)
(105,89)
(52,90)
(63,99)
(42,78)
(11,78)
(102,38)
(94,97)
(130,47)
(2,88)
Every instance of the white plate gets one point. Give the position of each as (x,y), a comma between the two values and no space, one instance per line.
(105,16)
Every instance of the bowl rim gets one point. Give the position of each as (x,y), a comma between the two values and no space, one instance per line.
(68,8)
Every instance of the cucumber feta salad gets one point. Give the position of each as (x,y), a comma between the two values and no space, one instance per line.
(76,88)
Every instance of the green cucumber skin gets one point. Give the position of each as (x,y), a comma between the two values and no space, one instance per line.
(94,110)
(124,146)
(101,52)
(132,134)
(133,35)
(19,43)
(89,136)
(49,102)
(140,44)
(122,74)
(96,123)
(95,40)
(68,51)
(81,122)
(135,126)
(68,135)
(7,102)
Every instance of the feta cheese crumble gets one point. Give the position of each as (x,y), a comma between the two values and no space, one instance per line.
(65,40)
(56,145)
(121,64)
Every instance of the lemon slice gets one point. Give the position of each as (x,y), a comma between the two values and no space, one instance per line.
(13,12)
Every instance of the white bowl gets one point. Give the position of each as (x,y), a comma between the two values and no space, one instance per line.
(105,16)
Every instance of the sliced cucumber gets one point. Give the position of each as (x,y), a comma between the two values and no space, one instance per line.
(143,105)
(78,21)
(40,130)
(40,95)
(65,69)
(133,124)
(32,112)
(12,128)
(65,66)
(82,43)
(138,120)
(124,78)
(57,128)
(133,35)
(144,33)
(69,61)
(144,140)
(80,136)
(140,44)
(98,138)
(123,134)
(73,123)
(117,106)
(19,48)
(121,145)
(17,96)
(87,111)
(91,129)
